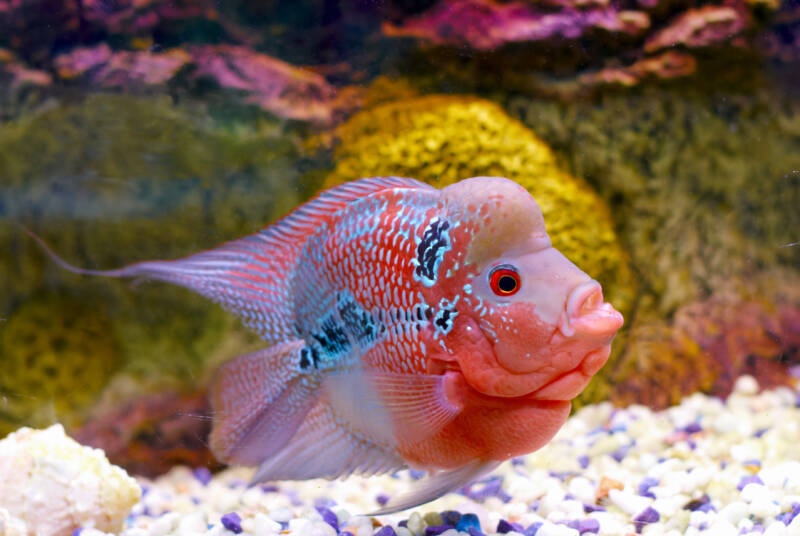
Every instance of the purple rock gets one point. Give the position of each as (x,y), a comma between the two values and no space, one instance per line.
(645,485)
(474,531)
(232,522)
(504,527)
(692,428)
(329,517)
(755,462)
(386,530)
(583,461)
(750,479)
(324,502)
(490,487)
(77,532)
(621,452)
(589,508)
(435,530)
(533,529)
(645,517)
(382,499)
(202,474)
(451,517)
(416,474)
(585,525)
(696,504)
(269,489)
(760,432)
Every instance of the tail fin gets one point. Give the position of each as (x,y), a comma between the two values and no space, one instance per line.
(251,276)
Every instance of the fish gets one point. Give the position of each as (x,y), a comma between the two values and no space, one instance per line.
(408,327)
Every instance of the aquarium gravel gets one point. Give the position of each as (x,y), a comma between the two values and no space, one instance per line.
(702,467)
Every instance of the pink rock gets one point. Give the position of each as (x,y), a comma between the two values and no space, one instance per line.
(486,25)
(18,74)
(122,68)
(80,60)
(279,87)
(670,64)
(137,16)
(700,27)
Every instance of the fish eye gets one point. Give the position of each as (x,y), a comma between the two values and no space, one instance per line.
(504,280)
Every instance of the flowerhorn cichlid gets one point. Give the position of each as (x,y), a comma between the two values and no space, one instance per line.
(410,327)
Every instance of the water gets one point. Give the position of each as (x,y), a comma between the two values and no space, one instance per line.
(666,165)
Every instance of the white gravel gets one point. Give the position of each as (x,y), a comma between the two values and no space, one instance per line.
(703,467)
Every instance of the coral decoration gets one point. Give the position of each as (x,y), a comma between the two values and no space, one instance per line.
(152,433)
(52,486)
(701,27)
(668,65)
(122,68)
(283,89)
(486,25)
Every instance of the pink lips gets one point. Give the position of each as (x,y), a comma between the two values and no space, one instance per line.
(586,315)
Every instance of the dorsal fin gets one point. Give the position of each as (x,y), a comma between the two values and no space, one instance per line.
(249,276)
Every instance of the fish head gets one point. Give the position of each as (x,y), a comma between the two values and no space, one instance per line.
(539,326)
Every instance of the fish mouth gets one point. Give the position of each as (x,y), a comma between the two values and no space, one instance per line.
(586,315)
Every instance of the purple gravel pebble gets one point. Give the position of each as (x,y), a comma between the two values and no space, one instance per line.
(761,432)
(415,474)
(451,517)
(386,530)
(77,532)
(583,461)
(435,530)
(696,504)
(585,525)
(589,508)
(621,452)
(750,479)
(473,531)
(329,517)
(232,522)
(324,502)
(693,428)
(202,474)
(645,485)
(533,529)
(491,487)
(504,527)
(269,489)
(645,517)
(347,533)
(754,462)
(382,499)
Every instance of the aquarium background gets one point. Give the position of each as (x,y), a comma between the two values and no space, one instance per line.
(660,137)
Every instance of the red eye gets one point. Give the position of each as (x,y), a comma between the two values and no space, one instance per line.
(504,280)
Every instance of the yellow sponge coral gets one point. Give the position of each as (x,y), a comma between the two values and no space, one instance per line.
(442,139)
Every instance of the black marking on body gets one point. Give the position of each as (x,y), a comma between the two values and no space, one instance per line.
(435,241)
(445,314)
(358,322)
(332,337)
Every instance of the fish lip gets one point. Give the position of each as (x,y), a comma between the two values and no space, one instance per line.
(587,314)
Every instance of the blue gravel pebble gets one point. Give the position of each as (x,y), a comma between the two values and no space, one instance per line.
(504,527)
(468,521)
(435,530)
(645,517)
(750,479)
(533,529)
(385,530)
(232,522)
(451,517)
(329,517)
(202,474)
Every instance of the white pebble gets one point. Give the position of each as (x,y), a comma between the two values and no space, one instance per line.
(733,512)
(745,385)
(551,529)
(191,524)
(794,527)
(721,527)
(164,524)
(264,526)
(764,508)
(776,529)
(628,502)
(582,489)
(282,515)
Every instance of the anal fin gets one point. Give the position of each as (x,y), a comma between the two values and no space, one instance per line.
(436,485)
(258,402)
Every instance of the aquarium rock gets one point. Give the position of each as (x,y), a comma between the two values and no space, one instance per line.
(52,486)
